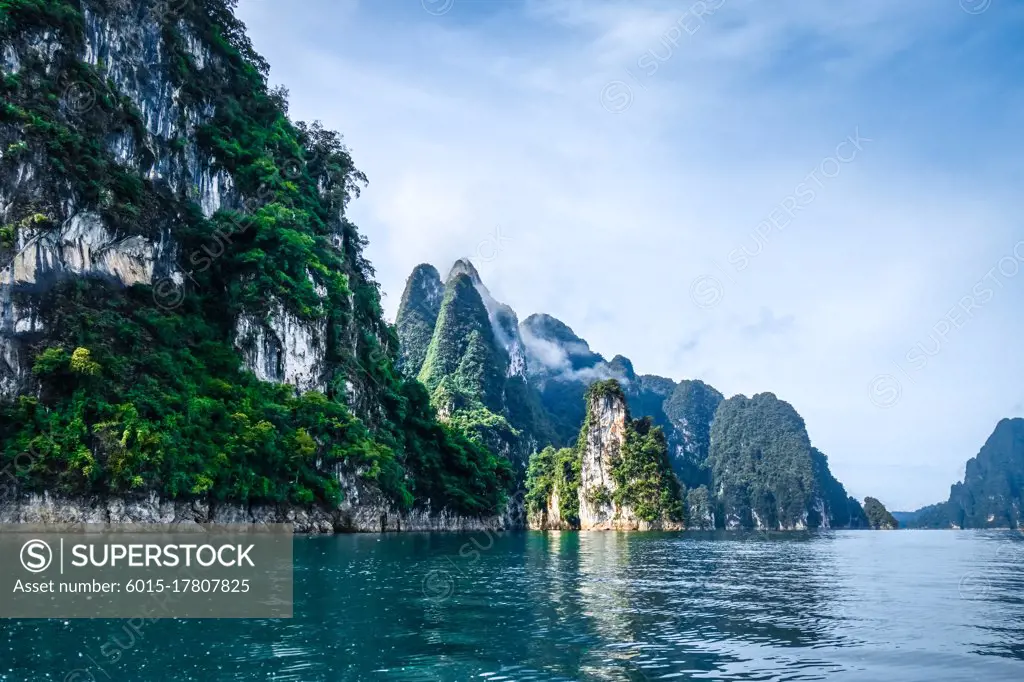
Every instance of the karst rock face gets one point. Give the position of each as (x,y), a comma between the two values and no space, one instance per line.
(113,67)
(737,463)
(605,440)
(186,312)
(992,492)
(766,474)
(417,316)
(603,450)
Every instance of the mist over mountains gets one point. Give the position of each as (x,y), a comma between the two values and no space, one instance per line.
(521,385)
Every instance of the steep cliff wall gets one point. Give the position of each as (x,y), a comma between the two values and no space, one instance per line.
(618,474)
(766,473)
(992,492)
(602,447)
(625,479)
(363,510)
(465,347)
(185,310)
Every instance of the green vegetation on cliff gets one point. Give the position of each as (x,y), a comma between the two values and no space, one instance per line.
(690,409)
(555,471)
(762,460)
(878,516)
(640,468)
(561,366)
(844,511)
(470,364)
(463,351)
(133,394)
(643,475)
(417,316)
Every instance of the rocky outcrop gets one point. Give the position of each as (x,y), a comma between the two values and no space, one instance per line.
(474,364)
(283,348)
(616,478)
(602,450)
(504,322)
(550,516)
(878,516)
(605,437)
(690,409)
(70,241)
(700,509)
(463,352)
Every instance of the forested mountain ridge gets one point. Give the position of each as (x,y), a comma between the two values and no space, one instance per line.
(740,463)
(471,361)
(992,492)
(421,303)
(187,313)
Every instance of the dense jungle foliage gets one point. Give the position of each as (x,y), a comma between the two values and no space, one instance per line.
(133,395)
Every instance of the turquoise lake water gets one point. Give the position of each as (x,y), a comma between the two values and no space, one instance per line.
(906,605)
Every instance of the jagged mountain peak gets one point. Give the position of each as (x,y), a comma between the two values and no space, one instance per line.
(554,349)
(763,471)
(550,327)
(425,272)
(463,345)
(417,316)
(464,266)
(990,495)
(690,409)
(1008,425)
(503,319)
(622,366)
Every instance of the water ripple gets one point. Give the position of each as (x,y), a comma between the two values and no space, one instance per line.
(594,606)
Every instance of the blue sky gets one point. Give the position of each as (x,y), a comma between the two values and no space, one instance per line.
(821,200)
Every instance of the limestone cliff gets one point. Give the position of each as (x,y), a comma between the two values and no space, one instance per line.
(186,312)
(465,348)
(992,492)
(618,471)
(417,316)
(766,473)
